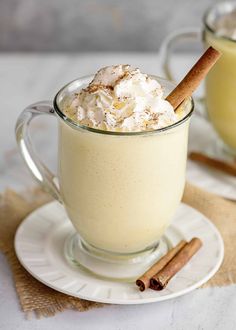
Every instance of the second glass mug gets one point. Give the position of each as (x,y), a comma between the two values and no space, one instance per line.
(220,83)
(120,190)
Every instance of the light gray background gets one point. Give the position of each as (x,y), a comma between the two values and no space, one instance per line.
(94,25)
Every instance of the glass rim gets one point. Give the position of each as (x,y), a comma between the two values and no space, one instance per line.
(77,126)
(208,12)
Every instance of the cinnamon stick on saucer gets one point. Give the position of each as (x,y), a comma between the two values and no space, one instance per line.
(214,163)
(161,279)
(144,281)
(193,78)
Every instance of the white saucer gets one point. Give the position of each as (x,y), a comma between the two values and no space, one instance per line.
(39,245)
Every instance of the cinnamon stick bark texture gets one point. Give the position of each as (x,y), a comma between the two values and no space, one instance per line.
(193,78)
(144,281)
(161,279)
(214,163)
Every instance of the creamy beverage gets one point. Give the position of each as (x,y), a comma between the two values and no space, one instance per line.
(221,81)
(122,170)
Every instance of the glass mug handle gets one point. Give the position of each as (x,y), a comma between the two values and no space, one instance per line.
(39,171)
(166,52)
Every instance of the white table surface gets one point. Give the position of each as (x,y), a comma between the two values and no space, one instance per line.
(25,79)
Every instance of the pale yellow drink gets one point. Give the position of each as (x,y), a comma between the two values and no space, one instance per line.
(221,89)
(122,153)
(121,192)
(219,32)
(122,158)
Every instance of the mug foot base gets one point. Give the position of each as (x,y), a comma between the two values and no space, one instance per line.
(112,266)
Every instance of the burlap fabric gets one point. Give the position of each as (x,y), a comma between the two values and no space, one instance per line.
(33,295)
(222,213)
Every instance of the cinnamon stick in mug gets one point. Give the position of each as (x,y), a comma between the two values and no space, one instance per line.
(144,281)
(193,78)
(161,279)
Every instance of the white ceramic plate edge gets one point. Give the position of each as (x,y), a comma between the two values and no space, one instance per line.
(143,300)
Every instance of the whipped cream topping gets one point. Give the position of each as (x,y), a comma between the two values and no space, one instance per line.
(121,98)
(226,25)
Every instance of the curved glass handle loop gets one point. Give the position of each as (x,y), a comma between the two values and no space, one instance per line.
(168,45)
(39,171)
(166,53)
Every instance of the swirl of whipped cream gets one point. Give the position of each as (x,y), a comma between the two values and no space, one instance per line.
(225,26)
(121,98)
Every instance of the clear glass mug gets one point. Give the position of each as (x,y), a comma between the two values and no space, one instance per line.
(120,190)
(220,84)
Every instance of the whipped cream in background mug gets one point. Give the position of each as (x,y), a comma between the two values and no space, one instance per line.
(121,161)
